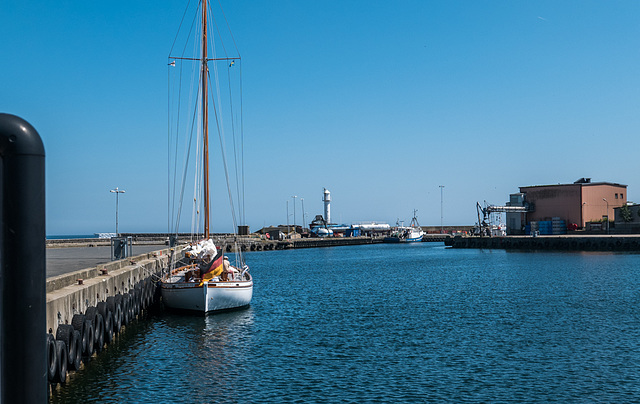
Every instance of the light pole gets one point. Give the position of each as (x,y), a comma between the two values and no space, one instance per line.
(303,222)
(607,215)
(294,213)
(288,230)
(441,209)
(117,192)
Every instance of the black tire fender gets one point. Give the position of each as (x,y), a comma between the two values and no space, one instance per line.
(77,360)
(107,318)
(66,333)
(89,335)
(117,319)
(78,324)
(52,358)
(98,337)
(108,328)
(61,361)
(125,309)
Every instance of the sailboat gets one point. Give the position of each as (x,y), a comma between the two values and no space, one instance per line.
(406,234)
(201,278)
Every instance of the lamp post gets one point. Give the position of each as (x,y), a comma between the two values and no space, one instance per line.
(288,230)
(441,209)
(117,192)
(303,222)
(607,215)
(294,213)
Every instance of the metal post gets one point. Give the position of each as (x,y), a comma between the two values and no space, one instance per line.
(23,354)
(441,210)
(117,192)
(294,213)
(607,202)
(303,222)
(288,230)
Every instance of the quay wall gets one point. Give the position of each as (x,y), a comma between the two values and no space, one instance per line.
(256,244)
(229,243)
(74,292)
(560,243)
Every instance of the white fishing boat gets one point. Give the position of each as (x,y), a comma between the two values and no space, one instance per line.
(406,234)
(200,278)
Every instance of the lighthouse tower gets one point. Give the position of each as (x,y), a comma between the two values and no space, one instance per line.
(326,198)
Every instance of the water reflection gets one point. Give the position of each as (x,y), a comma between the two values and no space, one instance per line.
(175,355)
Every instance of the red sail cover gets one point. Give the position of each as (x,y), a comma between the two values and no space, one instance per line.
(215,268)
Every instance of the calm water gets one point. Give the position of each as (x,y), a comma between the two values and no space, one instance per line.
(393,323)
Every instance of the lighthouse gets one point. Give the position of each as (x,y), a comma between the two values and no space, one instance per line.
(326,198)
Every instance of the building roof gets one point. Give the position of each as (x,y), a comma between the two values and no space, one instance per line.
(580,184)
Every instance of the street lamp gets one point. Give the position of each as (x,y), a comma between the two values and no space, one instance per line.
(605,200)
(117,192)
(303,214)
(441,210)
(294,213)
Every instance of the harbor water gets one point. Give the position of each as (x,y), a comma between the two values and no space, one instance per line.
(392,323)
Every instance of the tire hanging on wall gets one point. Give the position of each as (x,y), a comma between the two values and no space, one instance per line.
(65,333)
(77,360)
(61,361)
(107,317)
(125,309)
(108,329)
(132,306)
(98,338)
(117,312)
(52,358)
(88,329)
(134,300)
(78,324)
(98,327)
(118,318)
(143,295)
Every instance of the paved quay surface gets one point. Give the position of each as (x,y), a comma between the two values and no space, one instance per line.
(64,260)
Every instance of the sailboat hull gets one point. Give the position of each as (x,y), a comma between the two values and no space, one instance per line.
(208,297)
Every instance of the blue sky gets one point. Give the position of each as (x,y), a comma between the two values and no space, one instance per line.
(380,102)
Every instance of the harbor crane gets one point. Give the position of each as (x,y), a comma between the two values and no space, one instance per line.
(485,227)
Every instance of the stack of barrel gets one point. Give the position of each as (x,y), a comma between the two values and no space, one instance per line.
(558,226)
(92,331)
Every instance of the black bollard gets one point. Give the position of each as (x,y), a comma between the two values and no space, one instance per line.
(23,357)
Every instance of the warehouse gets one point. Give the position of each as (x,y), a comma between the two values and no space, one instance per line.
(573,204)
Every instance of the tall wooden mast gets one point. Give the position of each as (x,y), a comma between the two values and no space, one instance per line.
(205,118)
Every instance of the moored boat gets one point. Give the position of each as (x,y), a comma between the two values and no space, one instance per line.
(406,234)
(201,278)
(206,281)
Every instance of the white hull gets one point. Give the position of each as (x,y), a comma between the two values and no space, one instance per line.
(208,297)
(405,235)
(415,235)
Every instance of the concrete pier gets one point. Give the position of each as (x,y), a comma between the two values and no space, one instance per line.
(560,243)
(73,292)
(256,244)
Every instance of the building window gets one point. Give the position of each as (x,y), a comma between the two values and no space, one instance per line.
(616,196)
(621,196)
